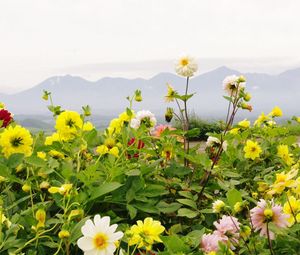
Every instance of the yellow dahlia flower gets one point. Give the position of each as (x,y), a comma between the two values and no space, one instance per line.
(67,124)
(16,140)
(145,234)
(252,150)
(276,112)
(283,153)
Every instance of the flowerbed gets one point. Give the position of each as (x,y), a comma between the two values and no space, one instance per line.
(138,187)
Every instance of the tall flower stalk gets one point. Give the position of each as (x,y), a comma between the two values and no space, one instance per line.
(185,67)
(235,88)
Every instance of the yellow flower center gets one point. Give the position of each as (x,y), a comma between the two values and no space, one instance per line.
(253,149)
(184,62)
(268,214)
(100,241)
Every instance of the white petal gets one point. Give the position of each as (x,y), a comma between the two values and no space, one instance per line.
(115,236)
(92,252)
(85,243)
(112,229)
(97,219)
(88,229)
(110,249)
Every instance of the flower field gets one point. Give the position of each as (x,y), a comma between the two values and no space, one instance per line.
(138,187)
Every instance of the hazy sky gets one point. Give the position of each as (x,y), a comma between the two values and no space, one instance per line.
(138,38)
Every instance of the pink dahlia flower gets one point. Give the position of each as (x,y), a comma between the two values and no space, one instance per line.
(210,242)
(229,228)
(159,129)
(274,214)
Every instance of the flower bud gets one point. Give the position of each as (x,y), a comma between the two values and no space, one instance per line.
(63,234)
(46,95)
(247,97)
(86,110)
(246,106)
(138,96)
(44,185)
(26,188)
(241,78)
(169,114)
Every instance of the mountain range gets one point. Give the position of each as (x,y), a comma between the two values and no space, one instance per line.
(107,96)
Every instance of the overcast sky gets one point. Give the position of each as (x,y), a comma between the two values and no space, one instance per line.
(139,38)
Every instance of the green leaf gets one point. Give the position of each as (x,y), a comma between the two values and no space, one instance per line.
(15,160)
(132,211)
(35,161)
(188,202)
(233,196)
(174,244)
(168,208)
(76,232)
(184,212)
(104,189)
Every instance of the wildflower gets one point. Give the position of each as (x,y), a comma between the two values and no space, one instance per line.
(244,123)
(41,154)
(167,152)
(114,151)
(109,142)
(298,119)
(157,132)
(170,94)
(63,190)
(51,139)
(210,242)
(40,216)
(252,150)
(186,66)
(16,140)
(234,131)
(88,126)
(261,119)
(102,149)
(5,118)
(146,233)
(265,213)
(132,143)
(213,141)
(292,208)
(283,153)
(56,154)
(276,112)
(115,126)
(283,181)
(218,206)
(126,116)
(99,237)
(145,118)
(63,234)
(67,124)
(232,85)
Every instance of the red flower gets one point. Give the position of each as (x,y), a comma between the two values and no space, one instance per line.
(131,144)
(5,117)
